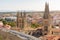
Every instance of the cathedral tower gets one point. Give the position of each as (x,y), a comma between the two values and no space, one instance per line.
(46,20)
(20,19)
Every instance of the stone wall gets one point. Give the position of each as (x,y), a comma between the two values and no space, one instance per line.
(8,36)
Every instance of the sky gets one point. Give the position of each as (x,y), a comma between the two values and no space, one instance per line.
(28,5)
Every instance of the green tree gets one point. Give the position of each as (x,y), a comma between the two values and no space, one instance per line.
(4,22)
(1,19)
(34,25)
(12,24)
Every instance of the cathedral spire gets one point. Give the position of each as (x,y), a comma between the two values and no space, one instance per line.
(46,20)
(46,13)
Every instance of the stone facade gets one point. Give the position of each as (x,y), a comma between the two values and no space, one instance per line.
(49,32)
(20,19)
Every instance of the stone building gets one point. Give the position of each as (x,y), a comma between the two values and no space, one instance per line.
(47,21)
(20,19)
(50,32)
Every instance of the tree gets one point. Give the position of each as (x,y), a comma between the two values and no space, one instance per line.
(12,24)
(4,22)
(34,25)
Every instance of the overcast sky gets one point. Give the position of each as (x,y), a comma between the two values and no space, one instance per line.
(28,5)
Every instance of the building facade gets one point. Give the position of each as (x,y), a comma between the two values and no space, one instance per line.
(20,19)
(50,32)
(46,20)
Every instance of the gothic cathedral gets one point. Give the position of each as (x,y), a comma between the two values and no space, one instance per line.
(46,20)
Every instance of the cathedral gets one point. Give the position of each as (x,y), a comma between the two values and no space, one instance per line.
(49,31)
(20,19)
(47,20)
